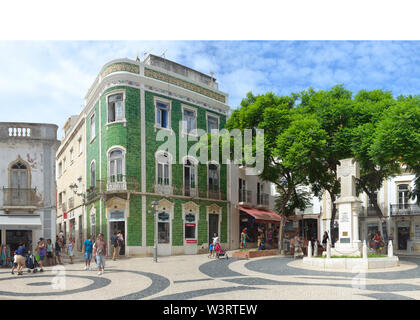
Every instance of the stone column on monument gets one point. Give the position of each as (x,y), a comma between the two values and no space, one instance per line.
(390,249)
(309,249)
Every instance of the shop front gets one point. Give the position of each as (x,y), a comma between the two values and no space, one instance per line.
(16,229)
(258,221)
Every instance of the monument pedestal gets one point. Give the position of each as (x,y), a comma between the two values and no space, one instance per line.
(348,243)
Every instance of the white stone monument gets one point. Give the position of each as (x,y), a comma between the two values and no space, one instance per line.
(348,208)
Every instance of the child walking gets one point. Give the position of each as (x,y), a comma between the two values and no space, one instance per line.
(70,250)
(14,262)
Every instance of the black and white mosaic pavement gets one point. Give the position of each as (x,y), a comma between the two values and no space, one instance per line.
(217,277)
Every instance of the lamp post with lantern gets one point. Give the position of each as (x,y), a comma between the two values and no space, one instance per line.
(154,204)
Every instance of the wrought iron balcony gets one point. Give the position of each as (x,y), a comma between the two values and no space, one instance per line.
(64,207)
(71,203)
(405,209)
(15,198)
(118,183)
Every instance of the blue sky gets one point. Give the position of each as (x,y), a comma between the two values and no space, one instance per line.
(46,81)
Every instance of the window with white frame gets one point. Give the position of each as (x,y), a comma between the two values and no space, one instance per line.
(92,127)
(163,169)
(115,108)
(190,226)
(213,174)
(71,155)
(64,164)
(189,177)
(162,115)
(403,196)
(189,120)
(116,165)
(93,174)
(212,123)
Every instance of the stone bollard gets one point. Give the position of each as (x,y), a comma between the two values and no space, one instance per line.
(364,250)
(309,249)
(328,249)
(316,249)
(390,249)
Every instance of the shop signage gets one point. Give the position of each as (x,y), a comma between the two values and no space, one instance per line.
(191,241)
(116,215)
(190,224)
(64,215)
(190,217)
(71,215)
(163,216)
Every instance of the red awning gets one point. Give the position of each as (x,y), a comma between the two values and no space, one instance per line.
(262,215)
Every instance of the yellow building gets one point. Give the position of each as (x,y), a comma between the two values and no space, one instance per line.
(71,181)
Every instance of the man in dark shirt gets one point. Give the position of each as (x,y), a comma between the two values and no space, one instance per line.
(114,243)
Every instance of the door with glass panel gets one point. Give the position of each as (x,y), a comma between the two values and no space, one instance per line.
(189,179)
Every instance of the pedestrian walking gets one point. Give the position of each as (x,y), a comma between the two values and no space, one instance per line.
(120,242)
(58,250)
(297,243)
(50,252)
(215,242)
(70,249)
(87,249)
(244,236)
(211,250)
(114,244)
(20,258)
(14,266)
(42,252)
(325,240)
(100,253)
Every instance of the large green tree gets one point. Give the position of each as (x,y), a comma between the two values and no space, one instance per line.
(290,142)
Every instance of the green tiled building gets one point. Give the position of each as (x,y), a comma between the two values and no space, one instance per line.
(127,107)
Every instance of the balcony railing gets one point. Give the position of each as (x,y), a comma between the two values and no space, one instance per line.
(118,182)
(167,189)
(263,200)
(71,203)
(111,184)
(18,197)
(405,209)
(245,197)
(64,207)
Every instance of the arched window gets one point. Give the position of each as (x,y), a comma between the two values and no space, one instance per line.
(19,176)
(93,174)
(116,165)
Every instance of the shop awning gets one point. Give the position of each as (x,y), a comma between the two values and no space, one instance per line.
(11,222)
(262,215)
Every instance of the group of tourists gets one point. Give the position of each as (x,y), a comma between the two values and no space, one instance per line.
(47,252)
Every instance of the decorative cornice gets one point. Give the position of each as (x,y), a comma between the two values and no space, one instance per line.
(184,84)
(121,66)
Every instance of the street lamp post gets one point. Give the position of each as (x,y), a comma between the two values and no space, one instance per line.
(154,204)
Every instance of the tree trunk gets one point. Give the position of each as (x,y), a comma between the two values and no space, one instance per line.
(333,214)
(374,202)
(283,215)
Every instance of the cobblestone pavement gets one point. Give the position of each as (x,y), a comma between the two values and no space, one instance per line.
(198,277)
